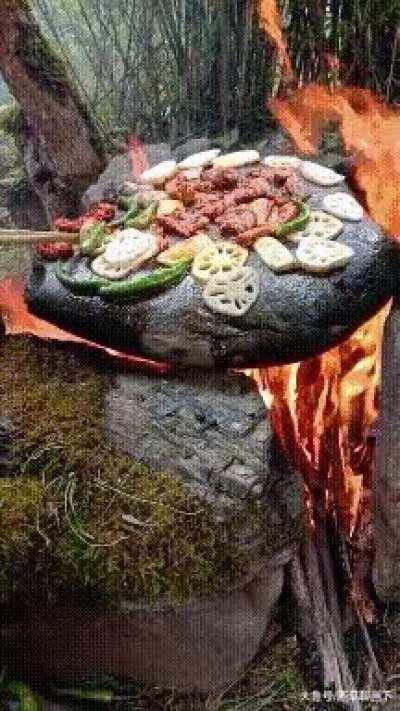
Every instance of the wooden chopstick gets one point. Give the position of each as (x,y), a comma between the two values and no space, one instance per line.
(26,237)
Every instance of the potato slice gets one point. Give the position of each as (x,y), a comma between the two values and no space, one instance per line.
(186,249)
(220,258)
(321,226)
(343,206)
(282,162)
(168,206)
(233,293)
(131,248)
(274,254)
(236,160)
(320,256)
(160,173)
(199,160)
(320,175)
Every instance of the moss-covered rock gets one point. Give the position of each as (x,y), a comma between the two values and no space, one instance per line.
(81,519)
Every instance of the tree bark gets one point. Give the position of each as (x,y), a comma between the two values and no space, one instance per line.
(63,150)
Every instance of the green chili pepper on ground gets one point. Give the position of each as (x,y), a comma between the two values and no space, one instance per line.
(21,693)
(145,283)
(83,285)
(92,239)
(144,218)
(298,223)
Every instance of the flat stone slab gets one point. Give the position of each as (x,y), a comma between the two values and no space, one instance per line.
(296,315)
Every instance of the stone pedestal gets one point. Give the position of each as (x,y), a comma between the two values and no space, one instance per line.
(211,433)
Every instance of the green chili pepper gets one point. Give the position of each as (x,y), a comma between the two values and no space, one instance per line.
(131,210)
(21,693)
(145,284)
(144,218)
(128,202)
(92,239)
(298,223)
(100,695)
(84,285)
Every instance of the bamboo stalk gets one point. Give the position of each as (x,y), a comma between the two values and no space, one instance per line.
(26,237)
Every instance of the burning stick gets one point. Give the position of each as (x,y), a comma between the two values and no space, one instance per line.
(19,238)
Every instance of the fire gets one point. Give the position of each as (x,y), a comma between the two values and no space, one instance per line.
(18,320)
(271,23)
(138,156)
(323,408)
(369,130)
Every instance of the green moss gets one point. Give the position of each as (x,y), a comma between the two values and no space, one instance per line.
(90,520)
(11,119)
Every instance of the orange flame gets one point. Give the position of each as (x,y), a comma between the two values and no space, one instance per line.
(138,156)
(271,23)
(18,320)
(369,130)
(322,409)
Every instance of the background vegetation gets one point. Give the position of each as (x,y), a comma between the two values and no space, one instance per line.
(169,69)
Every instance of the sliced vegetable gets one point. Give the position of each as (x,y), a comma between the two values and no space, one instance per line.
(320,175)
(82,285)
(159,173)
(131,248)
(145,284)
(343,206)
(321,225)
(298,223)
(92,239)
(220,258)
(102,268)
(199,160)
(234,293)
(131,210)
(168,206)
(277,161)
(274,254)
(321,256)
(186,249)
(235,160)
(144,218)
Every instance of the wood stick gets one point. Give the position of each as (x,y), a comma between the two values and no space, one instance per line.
(26,237)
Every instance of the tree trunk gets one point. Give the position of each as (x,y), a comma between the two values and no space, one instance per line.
(63,151)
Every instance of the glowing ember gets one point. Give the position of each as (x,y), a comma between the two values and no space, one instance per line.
(18,320)
(138,156)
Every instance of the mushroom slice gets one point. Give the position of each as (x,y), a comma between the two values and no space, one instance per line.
(282,162)
(321,226)
(274,254)
(199,160)
(236,160)
(320,175)
(160,173)
(102,268)
(131,248)
(187,249)
(343,206)
(218,259)
(321,256)
(233,294)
